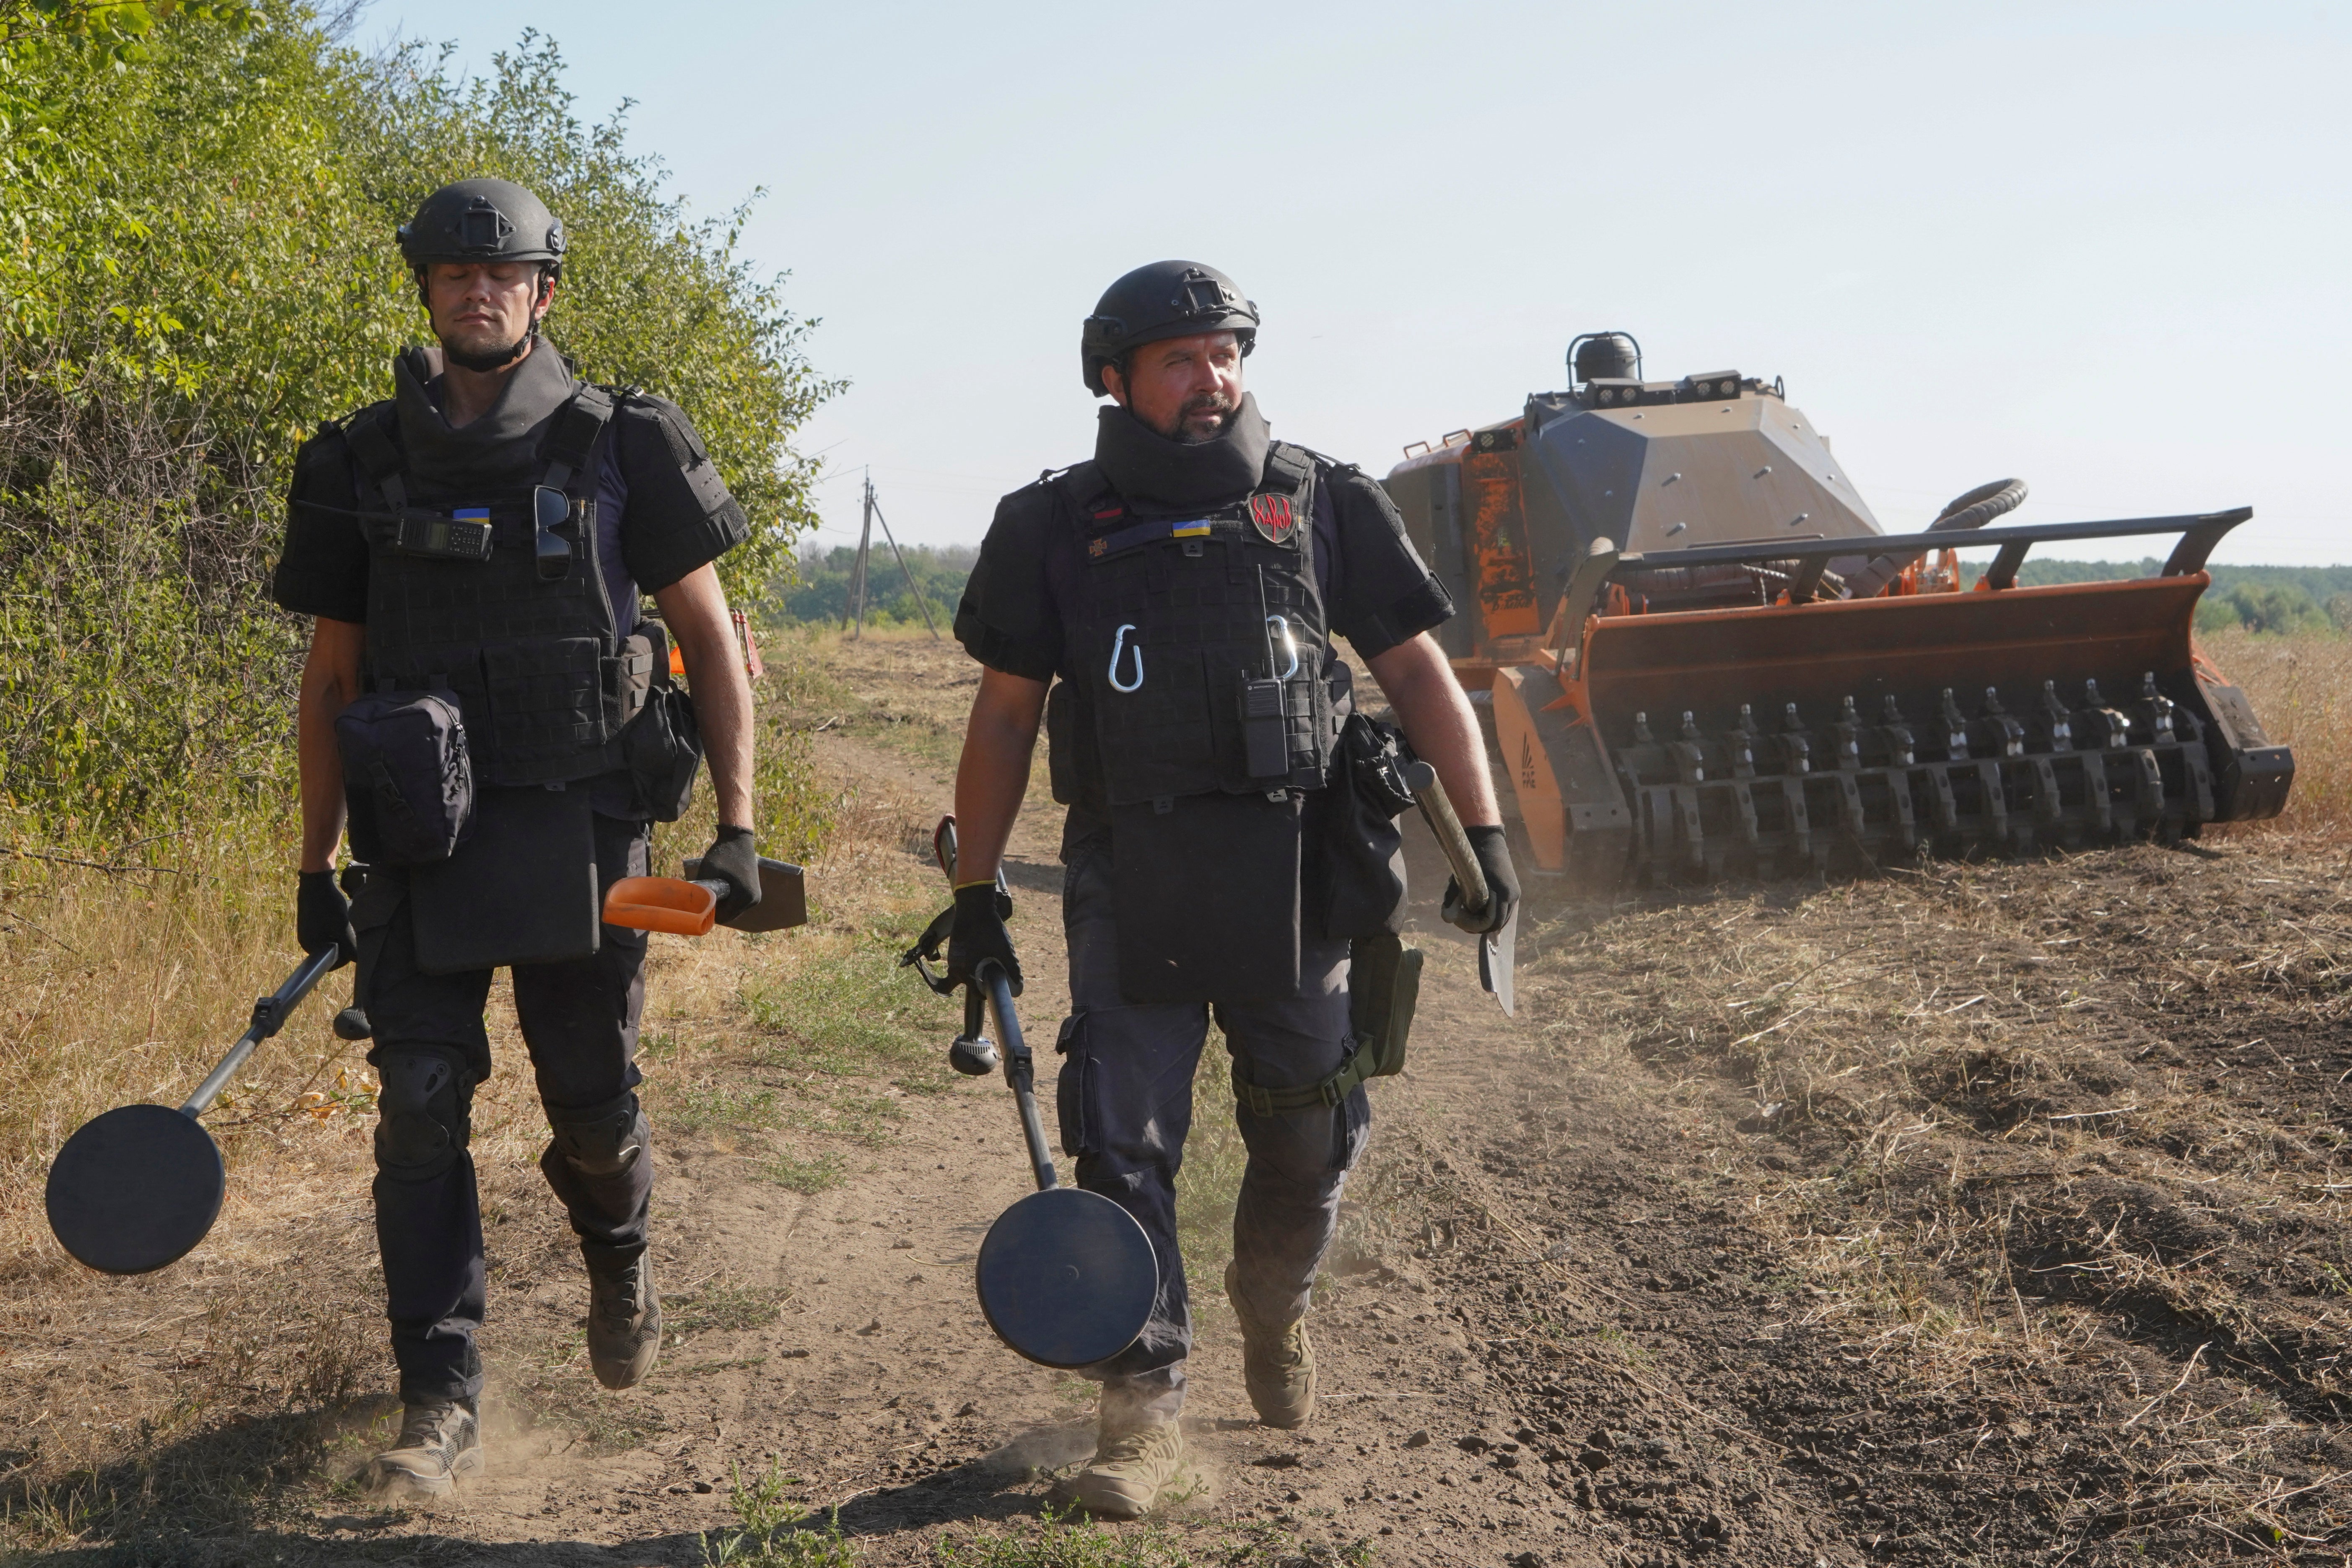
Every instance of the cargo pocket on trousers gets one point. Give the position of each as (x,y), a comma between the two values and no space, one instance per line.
(1073,1086)
(378,900)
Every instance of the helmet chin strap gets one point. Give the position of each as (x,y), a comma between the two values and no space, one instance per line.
(497,359)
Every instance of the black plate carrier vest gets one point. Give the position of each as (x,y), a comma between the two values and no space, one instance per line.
(1188,624)
(1204,703)
(544,681)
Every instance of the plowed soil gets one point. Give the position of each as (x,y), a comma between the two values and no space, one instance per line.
(1974,1214)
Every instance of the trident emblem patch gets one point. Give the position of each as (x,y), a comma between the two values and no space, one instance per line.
(1274,517)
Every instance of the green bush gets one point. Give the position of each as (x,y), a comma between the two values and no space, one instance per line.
(196,267)
(2263,607)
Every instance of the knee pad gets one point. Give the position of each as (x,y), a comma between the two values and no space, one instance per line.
(605,1140)
(423,1114)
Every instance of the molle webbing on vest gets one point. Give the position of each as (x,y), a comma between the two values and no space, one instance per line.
(1191,631)
(536,664)
(1149,532)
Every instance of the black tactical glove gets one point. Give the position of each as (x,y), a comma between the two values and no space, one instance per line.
(978,934)
(1492,846)
(322,917)
(734,859)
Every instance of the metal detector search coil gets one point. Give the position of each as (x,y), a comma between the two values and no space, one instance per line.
(135,1189)
(1067,1277)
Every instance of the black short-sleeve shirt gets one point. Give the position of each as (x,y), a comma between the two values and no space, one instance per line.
(652,526)
(1377,591)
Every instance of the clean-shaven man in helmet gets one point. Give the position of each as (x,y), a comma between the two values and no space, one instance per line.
(487,710)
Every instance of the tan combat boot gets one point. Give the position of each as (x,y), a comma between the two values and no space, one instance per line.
(625,1316)
(1132,1467)
(440,1444)
(1277,1363)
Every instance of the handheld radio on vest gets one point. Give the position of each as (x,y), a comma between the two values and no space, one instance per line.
(1265,736)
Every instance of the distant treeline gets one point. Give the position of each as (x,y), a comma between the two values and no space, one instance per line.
(2259,598)
(824,581)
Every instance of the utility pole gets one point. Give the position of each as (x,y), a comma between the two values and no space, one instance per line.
(857,577)
(920,603)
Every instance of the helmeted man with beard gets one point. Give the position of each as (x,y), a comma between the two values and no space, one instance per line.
(1166,610)
(489,708)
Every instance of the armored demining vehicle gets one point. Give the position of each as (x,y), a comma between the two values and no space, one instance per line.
(1700,655)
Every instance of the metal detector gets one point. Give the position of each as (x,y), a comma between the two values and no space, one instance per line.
(138,1187)
(1066,1277)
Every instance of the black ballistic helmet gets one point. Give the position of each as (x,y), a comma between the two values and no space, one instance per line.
(1165,300)
(483,220)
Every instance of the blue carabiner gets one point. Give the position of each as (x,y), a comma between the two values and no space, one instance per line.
(1288,641)
(1119,645)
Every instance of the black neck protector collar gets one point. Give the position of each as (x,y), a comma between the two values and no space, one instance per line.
(534,390)
(1146,467)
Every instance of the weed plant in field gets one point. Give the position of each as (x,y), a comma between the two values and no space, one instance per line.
(777,1531)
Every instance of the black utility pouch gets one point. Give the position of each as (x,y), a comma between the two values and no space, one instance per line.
(407,778)
(1363,852)
(662,747)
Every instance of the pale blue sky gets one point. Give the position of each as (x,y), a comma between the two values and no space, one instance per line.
(2101,246)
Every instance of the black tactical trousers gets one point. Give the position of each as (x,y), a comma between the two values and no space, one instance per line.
(579,1023)
(1125,1103)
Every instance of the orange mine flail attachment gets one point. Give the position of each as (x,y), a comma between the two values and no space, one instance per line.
(1698,655)
(662,903)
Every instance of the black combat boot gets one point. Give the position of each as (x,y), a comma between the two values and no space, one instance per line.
(440,1445)
(624,1321)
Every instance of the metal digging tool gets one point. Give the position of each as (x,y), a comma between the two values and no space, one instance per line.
(137,1188)
(1497,950)
(1066,1277)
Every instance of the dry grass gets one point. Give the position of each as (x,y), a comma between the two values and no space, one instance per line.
(197,1398)
(2301,687)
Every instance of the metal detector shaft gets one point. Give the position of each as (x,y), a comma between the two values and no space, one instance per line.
(1019,1072)
(270,1016)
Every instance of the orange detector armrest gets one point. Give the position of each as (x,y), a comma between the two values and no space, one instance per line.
(663,903)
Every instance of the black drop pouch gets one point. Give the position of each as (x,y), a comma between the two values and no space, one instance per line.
(521,890)
(408,780)
(1205,896)
(1361,851)
(662,748)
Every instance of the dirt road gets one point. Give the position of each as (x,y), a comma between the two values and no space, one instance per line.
(1976,1215)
